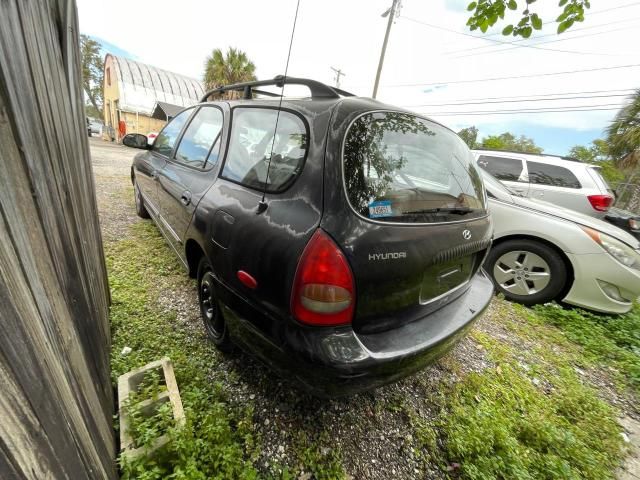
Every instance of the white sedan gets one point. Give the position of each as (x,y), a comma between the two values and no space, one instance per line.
(542,252)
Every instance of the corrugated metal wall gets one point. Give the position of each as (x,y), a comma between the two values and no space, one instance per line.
(56,401)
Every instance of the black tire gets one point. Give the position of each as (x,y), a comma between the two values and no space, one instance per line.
(505,265)
(212,318)
(141,210)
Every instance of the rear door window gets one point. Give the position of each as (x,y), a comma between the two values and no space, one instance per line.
(554,175)
(261,155)
(201,140)
(166,139)
(503,168)
(402,168)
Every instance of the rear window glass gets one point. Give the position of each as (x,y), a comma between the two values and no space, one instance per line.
(401,168)
(544,174)
(253,135)
(502,168)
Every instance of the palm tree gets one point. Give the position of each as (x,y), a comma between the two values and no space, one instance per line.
(624,146)
(624,134)
(234,67)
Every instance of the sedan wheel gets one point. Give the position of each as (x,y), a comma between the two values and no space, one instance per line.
(522,272)
(527,271)
(212,318)
(141,210)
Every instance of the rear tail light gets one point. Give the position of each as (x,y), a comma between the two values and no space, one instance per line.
(323,290)
(600,202)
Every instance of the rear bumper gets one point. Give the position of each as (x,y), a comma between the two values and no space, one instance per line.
(332,362)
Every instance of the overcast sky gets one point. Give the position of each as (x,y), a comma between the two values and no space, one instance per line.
(426,66)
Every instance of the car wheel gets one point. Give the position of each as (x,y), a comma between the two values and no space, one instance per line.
(141,210)
(210,311)
(526,271)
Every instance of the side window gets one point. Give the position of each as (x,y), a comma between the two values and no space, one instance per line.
(200,143)
(502,168)
(166,139)
(543,174)
(252,138)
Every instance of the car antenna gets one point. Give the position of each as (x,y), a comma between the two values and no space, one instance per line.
(262,205)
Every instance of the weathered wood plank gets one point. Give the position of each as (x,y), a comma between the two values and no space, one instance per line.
(56,401)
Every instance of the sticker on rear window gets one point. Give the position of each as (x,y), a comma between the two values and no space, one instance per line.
(381,208)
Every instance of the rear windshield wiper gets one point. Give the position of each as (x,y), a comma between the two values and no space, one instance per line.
(454,210)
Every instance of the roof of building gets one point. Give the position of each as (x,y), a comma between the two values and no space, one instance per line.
(165,111)
(141,86)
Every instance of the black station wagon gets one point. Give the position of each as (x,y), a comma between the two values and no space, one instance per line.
(336,238)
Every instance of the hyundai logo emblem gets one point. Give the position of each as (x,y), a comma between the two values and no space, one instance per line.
(466,234)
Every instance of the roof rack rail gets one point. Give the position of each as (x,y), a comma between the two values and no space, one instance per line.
(571,159)
(318,89)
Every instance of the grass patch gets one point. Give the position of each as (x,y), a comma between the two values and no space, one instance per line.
(528,422)
(612,340)
(216,441)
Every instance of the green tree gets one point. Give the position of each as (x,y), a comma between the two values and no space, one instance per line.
(623,135)
(487,13)
(92,73)
(508,141)
(470,136)
(598,154)
(234,67)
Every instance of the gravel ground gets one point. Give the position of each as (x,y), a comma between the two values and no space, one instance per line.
(372,431)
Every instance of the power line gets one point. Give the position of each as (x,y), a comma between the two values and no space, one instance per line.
(577,108)
(591,14)
(618,90)
(493,79)
(537,37)
(518,101)
(519,112)
(500,42)
(535,45)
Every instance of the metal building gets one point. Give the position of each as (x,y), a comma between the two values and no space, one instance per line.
(140,98)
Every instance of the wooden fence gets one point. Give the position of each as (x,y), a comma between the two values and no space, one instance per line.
(56,399)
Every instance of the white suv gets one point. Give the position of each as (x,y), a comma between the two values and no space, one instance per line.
(564,182)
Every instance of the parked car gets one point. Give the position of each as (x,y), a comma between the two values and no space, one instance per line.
(559,180)
(337,238)
(95,126)
(542,252)
(625,220)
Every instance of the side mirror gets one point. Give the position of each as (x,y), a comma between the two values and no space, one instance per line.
(136,140)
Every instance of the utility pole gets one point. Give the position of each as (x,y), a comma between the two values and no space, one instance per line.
(391,13)
(339,74)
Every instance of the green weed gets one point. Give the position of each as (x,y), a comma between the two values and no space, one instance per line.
(528,423)
(216,441)
(611,340)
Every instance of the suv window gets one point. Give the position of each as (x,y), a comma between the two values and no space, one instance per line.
(201,140)
(502,168)
(544,174)
(166,139)
(402,168)
(250,148)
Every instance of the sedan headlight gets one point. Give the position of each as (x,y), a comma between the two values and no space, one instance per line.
(617,249)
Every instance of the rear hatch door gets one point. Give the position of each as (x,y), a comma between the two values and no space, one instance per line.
(412,217)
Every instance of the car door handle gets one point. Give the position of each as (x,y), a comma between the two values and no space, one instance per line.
(185,198)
